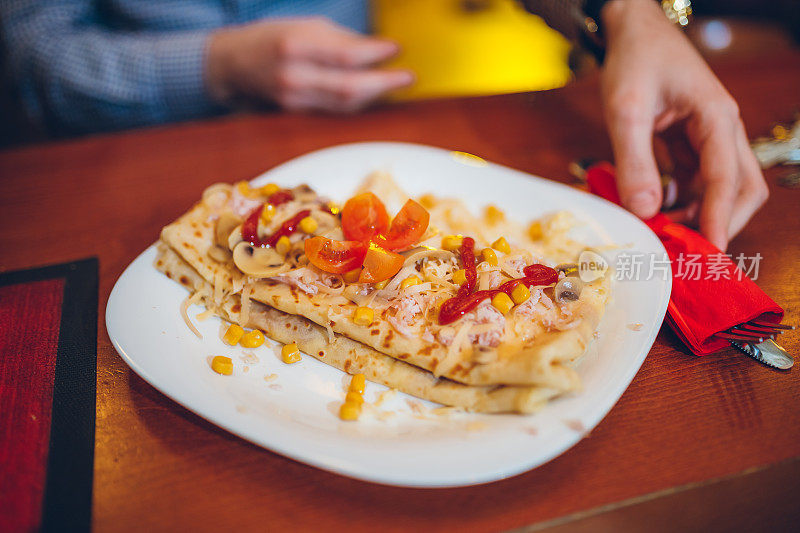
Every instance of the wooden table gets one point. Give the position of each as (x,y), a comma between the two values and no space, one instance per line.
(703,442)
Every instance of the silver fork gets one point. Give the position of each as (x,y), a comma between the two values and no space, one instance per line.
(757,339)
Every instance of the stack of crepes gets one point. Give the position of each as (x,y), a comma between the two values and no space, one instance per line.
(394,305)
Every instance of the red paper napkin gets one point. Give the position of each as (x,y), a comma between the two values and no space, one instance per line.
(709,292)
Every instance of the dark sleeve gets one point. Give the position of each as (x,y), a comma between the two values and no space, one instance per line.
(561,15)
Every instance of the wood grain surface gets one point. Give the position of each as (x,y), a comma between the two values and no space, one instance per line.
(684,420)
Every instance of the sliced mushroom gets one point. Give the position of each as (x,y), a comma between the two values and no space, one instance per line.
(568,289)
(218,253)
(258,262)
(226,223)
(235,237)
(569,269)
(304,193)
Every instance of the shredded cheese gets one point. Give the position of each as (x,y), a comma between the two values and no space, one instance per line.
(453,351)
(190,300)
(244,315)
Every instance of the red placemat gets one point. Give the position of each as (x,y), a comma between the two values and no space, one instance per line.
(48,351)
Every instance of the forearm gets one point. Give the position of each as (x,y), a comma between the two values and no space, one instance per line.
(77,79)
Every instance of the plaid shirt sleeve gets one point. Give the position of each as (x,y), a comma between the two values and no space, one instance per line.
(74,76)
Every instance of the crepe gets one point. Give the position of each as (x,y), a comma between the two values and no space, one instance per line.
(354,357)
(542,356)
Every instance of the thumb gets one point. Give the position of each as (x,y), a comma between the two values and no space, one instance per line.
(638,179)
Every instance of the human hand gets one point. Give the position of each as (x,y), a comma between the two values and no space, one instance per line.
(653,80)
(300,64)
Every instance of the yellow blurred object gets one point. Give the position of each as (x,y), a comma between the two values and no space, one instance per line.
(535,231)
(354,397)
(502,302)
(290,353)
(308,225)
(452,242)
(267,213)
(252,339)
(363,316)
(501,245)
(460,276)
(493,215)
(358,383)
(472,47)
(489,256)
(233,334)
(520,293)
(350,411)
(222,365)
(283,245)
(410,281)
(269,189)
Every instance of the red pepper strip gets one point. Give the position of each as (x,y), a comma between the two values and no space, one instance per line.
(280,197)
(250,227)
(465,300)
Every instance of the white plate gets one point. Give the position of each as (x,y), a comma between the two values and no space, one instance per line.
(294,415)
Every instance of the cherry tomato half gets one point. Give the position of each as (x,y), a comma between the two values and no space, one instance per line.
(407,228)
(336,257)
(380,264)
(363,217)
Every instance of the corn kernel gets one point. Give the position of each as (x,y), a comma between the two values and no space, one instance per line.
(349,411)
(520,293)
(267,213)
(243,188)
(269,189)
(381,284)
(460,276)
(233,334)
(427,201)
(222,365)
(352,275)
(363,316)
(334,208)
(354,397)
(283,245)
(252,339)
(489,256)
(409,281)
(535,231)
(290,353)
(501,245)
(494,215)
(358,383)
(308,225)
(452,242)
(502,302)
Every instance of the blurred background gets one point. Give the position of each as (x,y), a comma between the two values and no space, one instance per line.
(479,47)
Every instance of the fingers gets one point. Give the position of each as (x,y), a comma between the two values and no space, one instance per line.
(638,180)
(307,86)
(326,43)
(753,191)
(719,170)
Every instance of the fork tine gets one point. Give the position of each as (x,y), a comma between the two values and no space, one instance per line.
(760,323)
(732,337)
(755,329)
